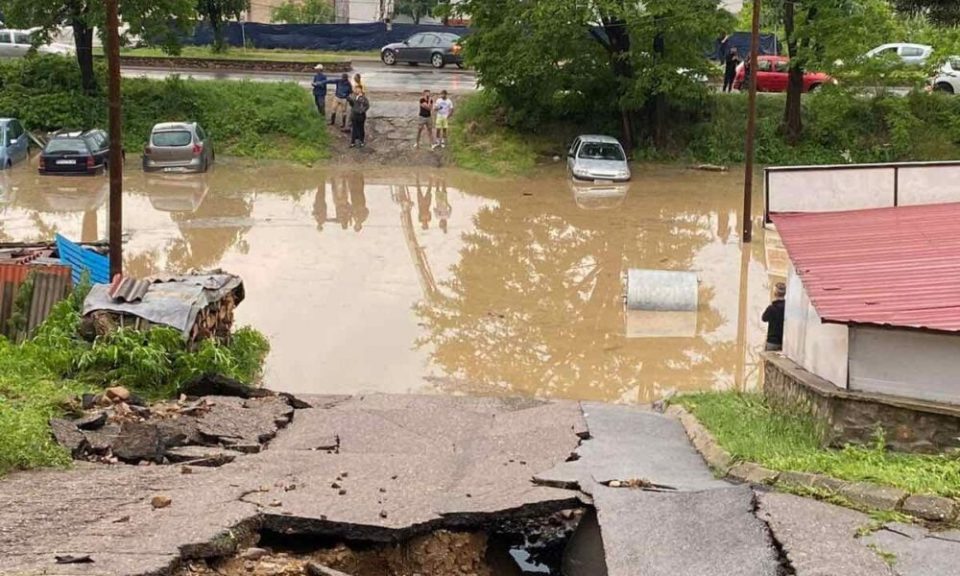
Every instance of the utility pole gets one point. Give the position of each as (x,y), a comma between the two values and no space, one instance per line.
(115,163)
(751,126)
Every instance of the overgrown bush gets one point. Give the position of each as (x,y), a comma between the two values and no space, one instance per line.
(252,119)
(39,378)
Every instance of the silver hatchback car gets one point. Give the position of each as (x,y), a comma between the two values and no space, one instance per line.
(594,158)
(178,147)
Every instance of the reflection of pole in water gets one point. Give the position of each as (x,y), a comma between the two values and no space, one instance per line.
(742,316)
(417,253)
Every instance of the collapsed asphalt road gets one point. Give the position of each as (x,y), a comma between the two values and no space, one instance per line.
(387,468)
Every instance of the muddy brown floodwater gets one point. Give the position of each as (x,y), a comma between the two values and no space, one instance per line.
(440,280)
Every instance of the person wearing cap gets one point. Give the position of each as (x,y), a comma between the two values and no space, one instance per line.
(773,316)
(320,82)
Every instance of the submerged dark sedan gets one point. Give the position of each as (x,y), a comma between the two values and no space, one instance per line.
(435,48)
(75,153)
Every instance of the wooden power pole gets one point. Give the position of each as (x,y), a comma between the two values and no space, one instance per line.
(751,126)
(115,163)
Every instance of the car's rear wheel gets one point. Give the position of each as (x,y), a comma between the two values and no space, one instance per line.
(943,87)
(437,60)
(814,87)
(389,57)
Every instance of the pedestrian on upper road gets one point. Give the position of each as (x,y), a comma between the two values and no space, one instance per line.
(344,88)
(730,69)
(319,84)
(444,108)
(358,119)
(425,114)
(773,316)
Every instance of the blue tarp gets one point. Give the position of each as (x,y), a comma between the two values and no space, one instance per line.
(81,259)
(331,37)
(769,45)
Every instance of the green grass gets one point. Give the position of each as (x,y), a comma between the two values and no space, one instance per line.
(750,430)
(260,120)
(250,54)
(41,377)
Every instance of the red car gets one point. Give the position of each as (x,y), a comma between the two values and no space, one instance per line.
(772,76)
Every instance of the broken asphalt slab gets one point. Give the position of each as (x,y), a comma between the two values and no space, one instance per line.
(820,539)
(917,551)
(628,443)
(406,465)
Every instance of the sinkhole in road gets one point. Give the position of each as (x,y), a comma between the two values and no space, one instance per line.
(507,547)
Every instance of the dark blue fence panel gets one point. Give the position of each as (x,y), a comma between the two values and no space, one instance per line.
(332,37)
(769,45)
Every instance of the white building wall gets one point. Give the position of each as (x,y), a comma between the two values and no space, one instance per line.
(820,348)
(905,363)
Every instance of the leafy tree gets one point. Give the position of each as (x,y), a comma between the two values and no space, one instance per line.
(416,9)
(216,12)
(303,12)
(942,12)
(546,57)
(144,18)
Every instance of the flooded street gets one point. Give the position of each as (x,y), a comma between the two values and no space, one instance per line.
(440,280)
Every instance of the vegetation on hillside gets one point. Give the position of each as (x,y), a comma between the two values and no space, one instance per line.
(251,119)
(40,378)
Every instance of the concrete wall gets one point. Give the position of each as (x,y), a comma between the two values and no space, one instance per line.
(851,187)
(905,363)
(818,347)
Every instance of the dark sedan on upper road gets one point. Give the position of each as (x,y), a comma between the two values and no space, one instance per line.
(435,48)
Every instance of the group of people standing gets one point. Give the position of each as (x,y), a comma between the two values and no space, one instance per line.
(350,102)
(442,107)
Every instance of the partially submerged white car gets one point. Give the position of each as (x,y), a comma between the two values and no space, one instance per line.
(595,158)
(948,77)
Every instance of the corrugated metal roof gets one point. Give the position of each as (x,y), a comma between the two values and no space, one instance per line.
(84,260)
(886,266)
(128,289)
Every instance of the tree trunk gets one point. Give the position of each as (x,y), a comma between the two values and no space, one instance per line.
(619,49)
(83,42)
(792,114)
(659,100)
(216,23)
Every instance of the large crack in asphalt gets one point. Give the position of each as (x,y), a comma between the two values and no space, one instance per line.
(785,566)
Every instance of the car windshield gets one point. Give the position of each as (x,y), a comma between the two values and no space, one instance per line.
(68,145)
(601,151)
(172,138)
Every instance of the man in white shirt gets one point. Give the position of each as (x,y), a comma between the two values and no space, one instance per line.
(444,107)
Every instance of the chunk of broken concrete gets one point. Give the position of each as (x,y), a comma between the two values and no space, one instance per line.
(68,436)
(160,501)
(314,569)
(117,393)
(201,455)
(253,554)
(139,441)
(218,385)
(91,422)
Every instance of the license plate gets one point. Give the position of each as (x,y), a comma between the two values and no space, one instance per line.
(173,169)
(600,181)
(66,162)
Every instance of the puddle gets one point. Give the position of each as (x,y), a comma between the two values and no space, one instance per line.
(443,281)
(518,548)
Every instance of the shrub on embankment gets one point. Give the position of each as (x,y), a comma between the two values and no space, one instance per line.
(839,127)
(262,120)
(41,378)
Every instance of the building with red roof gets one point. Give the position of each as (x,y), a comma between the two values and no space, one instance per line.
(873,298)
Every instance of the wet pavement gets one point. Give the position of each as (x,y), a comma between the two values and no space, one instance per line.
(377,77)
(433,280)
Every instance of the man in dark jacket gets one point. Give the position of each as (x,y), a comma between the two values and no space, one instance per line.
(343,91)
(358,118)
(773,316)
(319,84)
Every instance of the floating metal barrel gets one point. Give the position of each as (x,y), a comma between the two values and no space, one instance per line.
(661,290)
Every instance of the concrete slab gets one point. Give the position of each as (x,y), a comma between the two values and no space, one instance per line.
(819,539)
(918,551)
(683,534)
(629,443)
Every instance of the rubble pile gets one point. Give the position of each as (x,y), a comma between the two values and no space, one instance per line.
(209,430)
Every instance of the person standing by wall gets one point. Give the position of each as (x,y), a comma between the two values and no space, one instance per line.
(773,316)
(731,61)
(358,119)
(444,108)
(320,82)
(340,106)
(425,115)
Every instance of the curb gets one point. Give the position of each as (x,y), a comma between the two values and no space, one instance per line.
(862,494)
